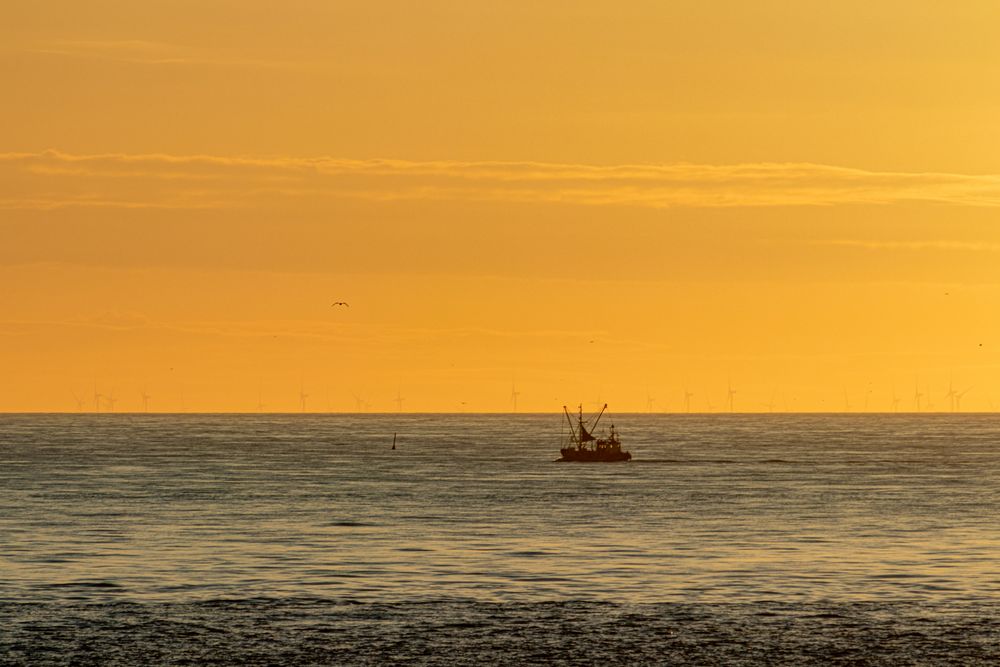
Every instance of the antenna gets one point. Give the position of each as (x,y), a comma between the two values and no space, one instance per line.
(599,402)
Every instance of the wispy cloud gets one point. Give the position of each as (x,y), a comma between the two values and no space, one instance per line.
(146,52)
(863,244)
(53,179)
(301,330)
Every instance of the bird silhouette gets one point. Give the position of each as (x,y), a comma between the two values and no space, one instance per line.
(340,303)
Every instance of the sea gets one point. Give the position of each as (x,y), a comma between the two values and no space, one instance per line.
(267,539)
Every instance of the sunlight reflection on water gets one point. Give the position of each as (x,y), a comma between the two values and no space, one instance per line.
(725,508)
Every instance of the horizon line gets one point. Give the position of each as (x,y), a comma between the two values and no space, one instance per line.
(505,413)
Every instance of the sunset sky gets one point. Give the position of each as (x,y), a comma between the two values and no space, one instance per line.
(587,201)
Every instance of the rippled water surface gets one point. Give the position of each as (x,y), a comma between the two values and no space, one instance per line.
(755,536)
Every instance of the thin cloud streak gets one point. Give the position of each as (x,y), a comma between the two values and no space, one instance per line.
(150,53)
(961,246)
(291,329)
(53,179)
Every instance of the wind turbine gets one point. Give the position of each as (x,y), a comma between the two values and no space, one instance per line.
(79,402)
(895,400)
(145,400)
(649,401)
(958,398)
(688,395)
(917,396)
(951,395)
(111,401)
(398,401)
(302,397)
(513,396)
(260,396)
(770,404)
(731,397)
(358,402)
(847,401)
(97,399)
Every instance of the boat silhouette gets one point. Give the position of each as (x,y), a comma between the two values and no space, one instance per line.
(584,447)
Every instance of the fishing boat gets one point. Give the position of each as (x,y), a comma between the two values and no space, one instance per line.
(584,447)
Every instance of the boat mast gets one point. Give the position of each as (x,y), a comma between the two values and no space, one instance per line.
(572,434)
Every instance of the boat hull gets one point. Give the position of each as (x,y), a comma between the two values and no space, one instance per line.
(591,456)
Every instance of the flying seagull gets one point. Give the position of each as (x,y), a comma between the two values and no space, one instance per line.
(340,303)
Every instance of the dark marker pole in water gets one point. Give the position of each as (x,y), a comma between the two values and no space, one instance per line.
(394,441)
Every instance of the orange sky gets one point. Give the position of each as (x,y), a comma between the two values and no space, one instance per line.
(586,200)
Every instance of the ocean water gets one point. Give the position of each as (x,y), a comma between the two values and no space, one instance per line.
(304,539)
